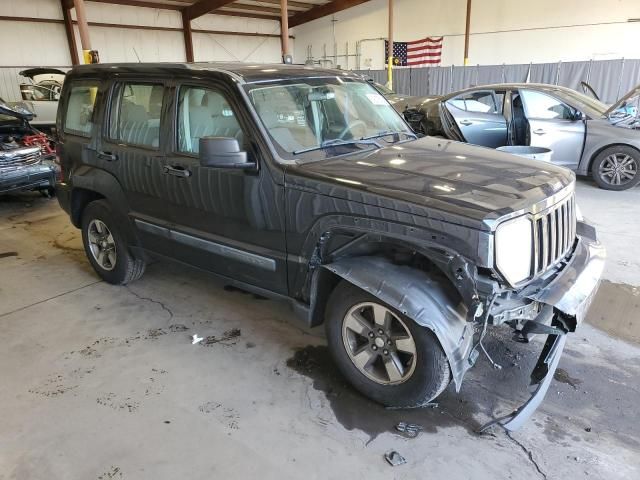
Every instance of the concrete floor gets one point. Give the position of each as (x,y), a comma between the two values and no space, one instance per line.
(102,382)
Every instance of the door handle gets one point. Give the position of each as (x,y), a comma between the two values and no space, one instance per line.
(539,131)
(108,156)
(177,171)
(466,123)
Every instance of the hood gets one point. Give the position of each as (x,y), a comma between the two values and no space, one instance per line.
(473,185)
(34,72)
(16,111)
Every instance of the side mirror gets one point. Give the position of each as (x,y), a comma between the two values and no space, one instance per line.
(223,152)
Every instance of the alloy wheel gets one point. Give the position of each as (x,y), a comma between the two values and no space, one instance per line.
(618,169)
(379,343)
(102,244)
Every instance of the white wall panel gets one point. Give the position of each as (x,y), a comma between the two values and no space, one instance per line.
(34,44)
(26,43)
(523,32)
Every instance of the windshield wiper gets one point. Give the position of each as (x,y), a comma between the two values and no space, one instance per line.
(337,142)
(390,132)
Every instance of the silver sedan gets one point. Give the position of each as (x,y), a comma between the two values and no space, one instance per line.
(582,133)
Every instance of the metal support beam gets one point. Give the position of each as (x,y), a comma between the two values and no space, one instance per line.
(284,28)
(188,38)
(323,11)
(390,48)
(71,38)
(83,28)
(467,33)
(203,7)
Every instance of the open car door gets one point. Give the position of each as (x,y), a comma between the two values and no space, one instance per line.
(554,125)
(478,115)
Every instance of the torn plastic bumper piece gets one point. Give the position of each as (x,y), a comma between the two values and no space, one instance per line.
(570,294)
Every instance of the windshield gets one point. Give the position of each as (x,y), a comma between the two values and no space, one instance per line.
(314,118)
(382,88)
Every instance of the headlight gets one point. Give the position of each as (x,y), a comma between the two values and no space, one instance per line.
(514,242)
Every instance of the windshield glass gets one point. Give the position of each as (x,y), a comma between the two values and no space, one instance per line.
(382,88)
(312,118)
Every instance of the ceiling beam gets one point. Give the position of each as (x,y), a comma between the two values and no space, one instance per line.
(253,8)
(322,11)
(204,6)
(294,5)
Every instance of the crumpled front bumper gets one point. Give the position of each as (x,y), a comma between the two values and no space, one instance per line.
(570,294)
(32,177)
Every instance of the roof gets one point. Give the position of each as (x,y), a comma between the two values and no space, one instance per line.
(244,72)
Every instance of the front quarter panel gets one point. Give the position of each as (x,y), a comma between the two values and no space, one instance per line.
(600,135)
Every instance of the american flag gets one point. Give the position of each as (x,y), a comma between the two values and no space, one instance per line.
(419,53)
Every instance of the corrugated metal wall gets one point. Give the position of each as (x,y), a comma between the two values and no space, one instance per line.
(610,78)
(9,84)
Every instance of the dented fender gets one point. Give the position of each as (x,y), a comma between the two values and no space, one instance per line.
(431,302)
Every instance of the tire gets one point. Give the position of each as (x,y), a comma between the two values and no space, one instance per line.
(117,266)
(613,164)
(426,375)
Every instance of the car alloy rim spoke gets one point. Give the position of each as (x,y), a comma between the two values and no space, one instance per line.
(406,345)
(380,315)
(393,366)
(378,343)
(364,358)
(358,324)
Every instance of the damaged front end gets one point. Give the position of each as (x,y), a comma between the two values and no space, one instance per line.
(26,154)
(553,305)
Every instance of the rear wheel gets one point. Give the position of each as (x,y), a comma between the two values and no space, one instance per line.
(106,247)
(616,168)
(385,355)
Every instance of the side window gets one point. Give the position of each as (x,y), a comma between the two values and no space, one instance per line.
(478,102)
(541,106)
(79,115)
(137,109)
(203,112)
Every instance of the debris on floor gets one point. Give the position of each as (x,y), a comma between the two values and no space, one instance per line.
(410,430)
(178,327)
(394,458)
(225,339)
(196,339)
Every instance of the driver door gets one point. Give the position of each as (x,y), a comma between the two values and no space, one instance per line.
(553,125)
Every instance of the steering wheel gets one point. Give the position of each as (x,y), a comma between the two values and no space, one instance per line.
(347,129)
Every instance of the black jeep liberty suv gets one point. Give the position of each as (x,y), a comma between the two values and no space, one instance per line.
(305,184)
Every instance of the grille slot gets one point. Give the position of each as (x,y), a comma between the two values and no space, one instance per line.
(554,232)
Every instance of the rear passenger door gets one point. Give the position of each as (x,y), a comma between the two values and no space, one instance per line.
(229,221)
(132,148)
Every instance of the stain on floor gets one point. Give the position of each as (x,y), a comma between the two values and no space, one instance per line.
(354,411)
(616,310)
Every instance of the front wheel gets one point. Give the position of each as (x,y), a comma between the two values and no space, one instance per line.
(106,247)
(616,168)
(383,354)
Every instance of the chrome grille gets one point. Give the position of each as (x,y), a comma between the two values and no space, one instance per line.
(554,231)
(20,157)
